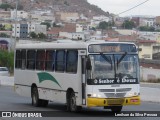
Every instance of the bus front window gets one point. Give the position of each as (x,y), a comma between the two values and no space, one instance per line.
(127,67)
(102,66)
(113,67)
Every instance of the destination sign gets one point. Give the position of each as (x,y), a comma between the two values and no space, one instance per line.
(112,47)
(112,81)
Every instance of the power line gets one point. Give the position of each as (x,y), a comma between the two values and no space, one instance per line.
(133,7)
(127,10)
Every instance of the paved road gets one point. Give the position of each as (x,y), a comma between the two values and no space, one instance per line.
(10,101)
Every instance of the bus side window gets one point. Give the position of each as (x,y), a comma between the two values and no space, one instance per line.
(40,60)
(18,59)
(31,55)
(50,57)
(71,61)
(23,53)
(60,61)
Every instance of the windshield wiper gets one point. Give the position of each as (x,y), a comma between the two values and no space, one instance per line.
(122,57)
(107,59)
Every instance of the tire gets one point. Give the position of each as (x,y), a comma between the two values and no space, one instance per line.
(116,109)
(71,103)
(44,103)
(35,98)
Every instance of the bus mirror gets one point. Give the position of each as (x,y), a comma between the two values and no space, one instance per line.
(88,64)
(139,49)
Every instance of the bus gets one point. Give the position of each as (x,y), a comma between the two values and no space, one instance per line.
(79,74)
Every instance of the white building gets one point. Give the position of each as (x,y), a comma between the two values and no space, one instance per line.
(74,36)
(126,31)
(23,30)
(97,19)
(147,22)
(149,35)
(17,29)
(20,14)
(37,28)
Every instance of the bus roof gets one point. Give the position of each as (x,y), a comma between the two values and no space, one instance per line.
(62,45)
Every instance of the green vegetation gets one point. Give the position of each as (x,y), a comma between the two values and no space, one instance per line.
(105,25)
(41,36)
(47,24)
(5,6)
(147,28)
(4,35)
(127,24)
(7,60)
(37,36)
(33,35)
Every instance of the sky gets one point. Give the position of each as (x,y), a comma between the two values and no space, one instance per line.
(150,8)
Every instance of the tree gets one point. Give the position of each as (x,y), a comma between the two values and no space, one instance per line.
(55,25)
(7,59)
(128,24)
(105,25)
(47,24)
(4,35)
(5,6)
(41,36)
(33,35)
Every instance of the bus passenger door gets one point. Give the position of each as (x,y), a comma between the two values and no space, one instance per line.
(82,53)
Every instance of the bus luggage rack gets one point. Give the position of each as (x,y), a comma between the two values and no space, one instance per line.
(115,101)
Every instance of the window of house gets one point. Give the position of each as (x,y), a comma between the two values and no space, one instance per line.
(31,55)
(40,60)
(71,61)
(60,60)
(18,59)
(50,56)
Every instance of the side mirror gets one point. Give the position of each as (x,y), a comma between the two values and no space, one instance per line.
(88,64)
(139,49)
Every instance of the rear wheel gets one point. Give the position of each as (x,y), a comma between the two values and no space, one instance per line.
(116,109)
(44,103)
(35,98)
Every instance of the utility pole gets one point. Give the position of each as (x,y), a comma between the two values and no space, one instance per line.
(16,23)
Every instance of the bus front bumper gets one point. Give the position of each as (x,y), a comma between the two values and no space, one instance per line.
(95,102)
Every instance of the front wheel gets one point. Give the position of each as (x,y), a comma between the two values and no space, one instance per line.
(72,103)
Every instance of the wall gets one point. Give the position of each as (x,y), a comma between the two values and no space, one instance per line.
(149,73)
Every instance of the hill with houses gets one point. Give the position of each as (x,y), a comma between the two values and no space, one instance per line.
(80,6)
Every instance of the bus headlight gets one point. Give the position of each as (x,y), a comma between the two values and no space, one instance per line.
(96,95)
(130,94)
(133,94)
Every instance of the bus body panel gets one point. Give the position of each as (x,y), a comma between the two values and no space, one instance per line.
(55,89)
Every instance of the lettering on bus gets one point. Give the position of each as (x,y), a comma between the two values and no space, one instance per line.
(112,81)
(110,48)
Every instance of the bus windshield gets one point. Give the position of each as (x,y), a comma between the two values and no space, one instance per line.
(115,67)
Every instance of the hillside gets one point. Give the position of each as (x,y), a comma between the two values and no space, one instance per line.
(80,6)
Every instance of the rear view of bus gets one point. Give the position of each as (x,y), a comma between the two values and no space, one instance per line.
(112,74)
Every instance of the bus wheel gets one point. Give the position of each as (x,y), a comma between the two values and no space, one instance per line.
(44,103)
(35,98)
(72,103)
(116,109)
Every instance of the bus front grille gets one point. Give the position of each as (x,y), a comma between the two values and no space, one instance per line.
(115,95)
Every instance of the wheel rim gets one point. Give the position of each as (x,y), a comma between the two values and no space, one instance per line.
(34,99)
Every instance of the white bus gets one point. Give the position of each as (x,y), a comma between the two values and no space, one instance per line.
(80,74)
